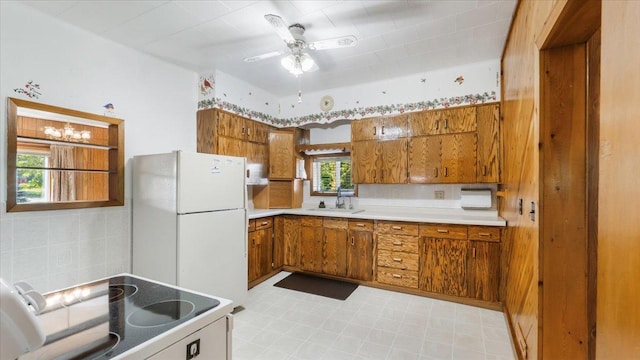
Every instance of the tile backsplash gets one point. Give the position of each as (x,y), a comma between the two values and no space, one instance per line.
(56,249)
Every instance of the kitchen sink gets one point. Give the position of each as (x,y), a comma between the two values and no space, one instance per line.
(338,210)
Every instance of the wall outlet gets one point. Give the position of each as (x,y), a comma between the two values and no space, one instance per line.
(439,194)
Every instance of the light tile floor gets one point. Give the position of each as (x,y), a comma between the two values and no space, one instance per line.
(372,323)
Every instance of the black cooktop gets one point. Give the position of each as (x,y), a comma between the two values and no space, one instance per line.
(136,311)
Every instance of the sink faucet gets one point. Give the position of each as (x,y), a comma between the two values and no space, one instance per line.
(339,200)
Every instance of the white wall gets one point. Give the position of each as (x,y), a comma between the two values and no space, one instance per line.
(78,70)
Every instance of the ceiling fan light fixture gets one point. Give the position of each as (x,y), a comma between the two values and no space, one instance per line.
(297,64)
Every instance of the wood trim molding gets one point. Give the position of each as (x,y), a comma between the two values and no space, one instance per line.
(579,19)
(339,147)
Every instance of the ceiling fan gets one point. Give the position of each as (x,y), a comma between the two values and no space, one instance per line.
(299,61)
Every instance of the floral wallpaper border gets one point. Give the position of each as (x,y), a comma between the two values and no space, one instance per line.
(354,113)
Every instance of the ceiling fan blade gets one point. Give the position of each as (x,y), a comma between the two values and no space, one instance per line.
(339,42)
(281,28)
(263,56)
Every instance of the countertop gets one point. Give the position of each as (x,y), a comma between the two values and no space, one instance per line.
(426,215)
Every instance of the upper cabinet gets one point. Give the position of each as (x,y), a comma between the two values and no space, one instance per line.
(60,158)
(379,128)
(458,145)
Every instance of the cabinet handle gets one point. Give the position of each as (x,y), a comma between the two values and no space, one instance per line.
(253,241)
(397,243)
(446,123)
(375,130)
(484,170)
(352,242)
(243,130)
(397,276)
(446,172)
(248,131)
(484,234)
(397,259)
(443,231)
(437,124)
(473,252)
(265,222)
(248,172)
(395,227)
(382,174)
(435,172)
(360,225)
(382,129)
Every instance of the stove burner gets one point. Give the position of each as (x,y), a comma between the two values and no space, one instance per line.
(160,313)
(121,291)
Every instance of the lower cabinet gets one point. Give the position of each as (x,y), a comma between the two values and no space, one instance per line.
(484,263)
(311,239)
(287,240)
(397,258)
(360,250)
(334,246)
(260,248)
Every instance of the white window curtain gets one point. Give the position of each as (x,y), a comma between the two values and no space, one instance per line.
(63,185)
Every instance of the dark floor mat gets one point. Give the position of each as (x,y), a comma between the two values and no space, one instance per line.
(316,285)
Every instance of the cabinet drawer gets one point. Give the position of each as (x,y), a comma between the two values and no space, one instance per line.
(335,223)
(252,225)
(398,228)
(311,221)
(444,231)
(364,225)
(484,233)
(399,277)
(398,260)
(398,243)
(264,223)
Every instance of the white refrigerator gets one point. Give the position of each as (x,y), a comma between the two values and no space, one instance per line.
(190,222)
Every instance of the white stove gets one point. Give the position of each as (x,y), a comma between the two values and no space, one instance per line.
(129,317)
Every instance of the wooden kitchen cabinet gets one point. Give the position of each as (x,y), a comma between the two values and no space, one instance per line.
(287,234)
(360,250)
(397,255)
(260,249)
(488,151)
(334,246)
(443,158)
(379,128)
(282,159)
(379,162)
(446,121)
(484,263)
(444,259)
(311,241)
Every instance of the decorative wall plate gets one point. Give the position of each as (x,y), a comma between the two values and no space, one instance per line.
(326,103)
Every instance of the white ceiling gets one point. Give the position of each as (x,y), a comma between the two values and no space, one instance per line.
(395,38)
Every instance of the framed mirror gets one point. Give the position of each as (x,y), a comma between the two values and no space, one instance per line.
(60,158)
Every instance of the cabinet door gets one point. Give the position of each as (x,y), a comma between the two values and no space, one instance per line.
(488,119)
(254,256)
(365,129)
(458,154)
(257,159)
(424,160)
(230,125)
(360,255)
(443,267)
(394,127)
(260,253)
(311,240)
(484,270)
(281,155)
(206,131)
(291,239)
(257,132)
(457,120)
(364,162)
(231,146)
(334,252)
(278,241)
(393,162)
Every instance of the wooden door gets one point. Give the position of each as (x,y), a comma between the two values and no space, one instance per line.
(281,155)
(291,239)
(458,161)
(311,239)
(364,162)
(230,125)
(423,123)
(394,127)
(393,162)
(365,129)
(484,270)
(334,252)
(360,255)
(443,267)
(231,146)
(488,155)
(424,160)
